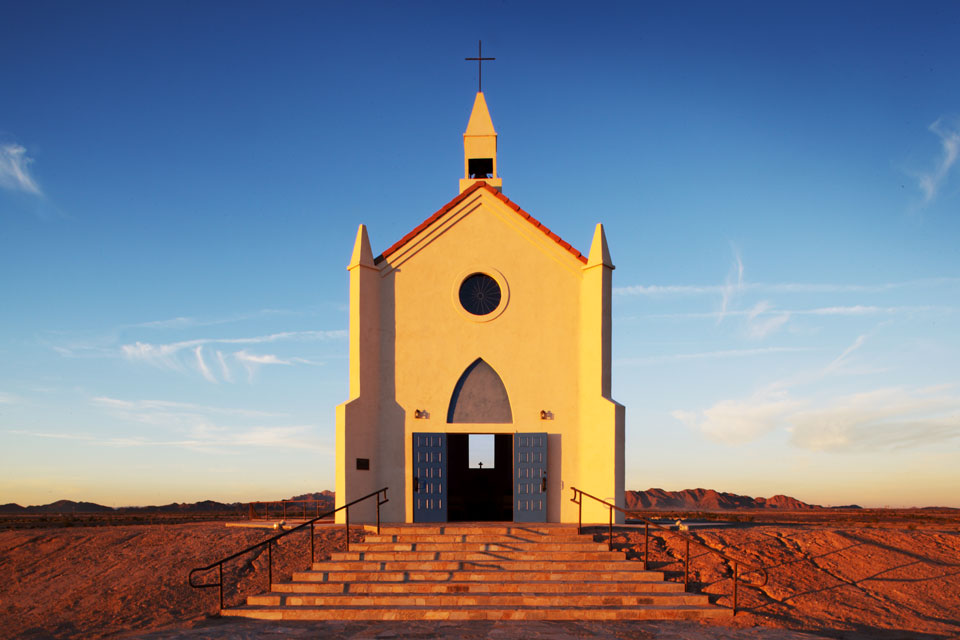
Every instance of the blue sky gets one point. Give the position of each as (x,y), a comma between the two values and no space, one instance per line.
(180,186)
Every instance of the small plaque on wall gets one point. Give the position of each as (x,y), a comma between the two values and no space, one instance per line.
(363,464)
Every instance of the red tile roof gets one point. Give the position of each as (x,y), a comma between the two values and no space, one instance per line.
(460,198)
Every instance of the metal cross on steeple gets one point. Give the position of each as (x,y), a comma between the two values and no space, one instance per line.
(480,60)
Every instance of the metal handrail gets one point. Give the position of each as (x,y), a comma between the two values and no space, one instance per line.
(282,505)
(269,544)
(578,500)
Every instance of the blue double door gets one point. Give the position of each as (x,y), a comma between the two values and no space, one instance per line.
(431,477)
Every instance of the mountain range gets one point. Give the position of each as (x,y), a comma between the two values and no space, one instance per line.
(710,500)
(176,508)
(651,499)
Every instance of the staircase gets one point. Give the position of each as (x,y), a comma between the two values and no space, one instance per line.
(478,572)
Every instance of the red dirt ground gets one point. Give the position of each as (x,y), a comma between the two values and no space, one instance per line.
(852,580)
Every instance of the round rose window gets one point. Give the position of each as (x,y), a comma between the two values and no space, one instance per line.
(479,294)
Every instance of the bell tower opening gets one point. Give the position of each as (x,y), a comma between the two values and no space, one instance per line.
(480,148)
(480,168)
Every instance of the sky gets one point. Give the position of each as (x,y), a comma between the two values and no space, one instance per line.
(181,184)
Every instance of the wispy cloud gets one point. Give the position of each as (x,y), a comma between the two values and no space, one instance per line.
(763,321)
(281,437)
(193,356)
(189,407)
(854,310)
(709,355)
(843,357)
(202,365)
(888,418)
(674,289)
(225,370)
(45,434)
(931,181)
(883,419)
(170,355)
(732,286)
(15,169)
(296,437)
(252,362)
(740,421)
(199,427)
(253,358)
(8,398)
(781,287)
(186,322)
(764,318)
(764,308)
(180,322)
(151,351)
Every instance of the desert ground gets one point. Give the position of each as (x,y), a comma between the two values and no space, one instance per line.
(844,576)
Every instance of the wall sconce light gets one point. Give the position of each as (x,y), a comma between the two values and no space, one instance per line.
(421,414)
(546,415)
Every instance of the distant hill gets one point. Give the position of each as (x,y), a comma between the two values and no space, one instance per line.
(60,506)
(710,500)
(12,509)
(205,506)
(321,496)
(325,498)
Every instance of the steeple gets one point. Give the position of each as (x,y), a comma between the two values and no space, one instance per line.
(480,148)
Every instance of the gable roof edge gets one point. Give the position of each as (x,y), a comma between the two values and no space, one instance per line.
(460,198)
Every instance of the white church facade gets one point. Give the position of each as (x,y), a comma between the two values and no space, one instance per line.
(480,321)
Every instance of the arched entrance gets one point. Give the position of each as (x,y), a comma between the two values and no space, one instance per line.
(511,486)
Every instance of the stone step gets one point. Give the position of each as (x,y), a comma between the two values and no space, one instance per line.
(638,612)
(478,537)
(479,556)
(478,572)
(512,545)
(472,576)
(484,564)
(424,587)
(477,599)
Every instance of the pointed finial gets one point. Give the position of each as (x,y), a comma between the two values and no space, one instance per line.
(480,123)
(599,253)
(362,254)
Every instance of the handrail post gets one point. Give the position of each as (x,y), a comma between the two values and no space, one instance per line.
(610,530)
(378,513)
(735,580)
(221,585)
(270,566)
(579,513)
(686,567)
(348,528)
(313,557)
(646,545)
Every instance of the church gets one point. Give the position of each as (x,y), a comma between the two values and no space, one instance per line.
(480,327)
